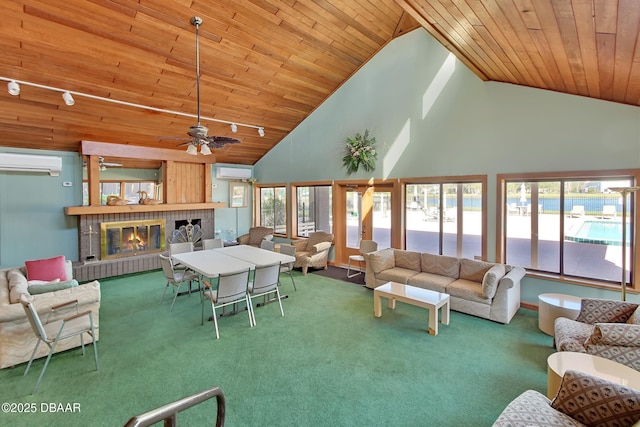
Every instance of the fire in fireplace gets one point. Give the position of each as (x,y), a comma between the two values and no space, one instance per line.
(129,238)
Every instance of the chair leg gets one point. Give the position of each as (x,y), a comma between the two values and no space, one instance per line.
(164,292)
(292,281)
(279,301)
(176,296)
(215,320)
(44,368)
(32,356)
(252,314)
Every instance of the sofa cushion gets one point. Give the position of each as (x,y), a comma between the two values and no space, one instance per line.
(52,287)
(570,335)
(433,282)
(605,311)
(622,334)
(42,282)
(17,285)
(407,259)
(595,401)
(396,274)
(440,264)
(47,269)
(474,270)
(382,260)
(468,290)
(491,280)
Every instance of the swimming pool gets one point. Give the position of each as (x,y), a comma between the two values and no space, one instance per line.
(600,232)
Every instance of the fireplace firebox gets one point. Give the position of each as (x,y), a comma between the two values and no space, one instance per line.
(130,238)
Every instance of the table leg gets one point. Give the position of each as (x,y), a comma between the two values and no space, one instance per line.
(392,303)
(433,321)
(377,305)
(445,313)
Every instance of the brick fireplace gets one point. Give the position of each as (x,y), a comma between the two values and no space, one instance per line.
(91,266)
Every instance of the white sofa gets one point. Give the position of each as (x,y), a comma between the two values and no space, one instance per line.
(483,289)
(17,339)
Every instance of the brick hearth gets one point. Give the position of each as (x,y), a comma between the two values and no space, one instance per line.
(133,264)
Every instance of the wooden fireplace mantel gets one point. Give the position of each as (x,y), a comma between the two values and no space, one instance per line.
(165,207)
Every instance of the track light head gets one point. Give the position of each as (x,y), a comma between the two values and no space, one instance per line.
(205,150)
(13,87)
(234,127)
(68,99)
(191,149)
(261,131)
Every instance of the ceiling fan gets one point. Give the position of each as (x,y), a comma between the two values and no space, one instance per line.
(199,133)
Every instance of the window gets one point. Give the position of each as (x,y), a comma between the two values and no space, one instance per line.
(569,225)
(115,188)
(313,209)
(273,208)
(446,217)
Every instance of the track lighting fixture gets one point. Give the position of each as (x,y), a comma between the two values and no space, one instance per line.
(68,99)
(234,128)
(261,131)
(13,88)
(191,149)
(204,149)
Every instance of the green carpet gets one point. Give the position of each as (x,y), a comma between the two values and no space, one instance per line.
(328,362)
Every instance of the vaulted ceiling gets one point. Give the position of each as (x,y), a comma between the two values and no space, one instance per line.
(269,63)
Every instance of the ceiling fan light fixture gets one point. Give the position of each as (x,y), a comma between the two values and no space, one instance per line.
(68,98)
(191,149)
(205,150)
(234,127)
(261,131)
(13,87)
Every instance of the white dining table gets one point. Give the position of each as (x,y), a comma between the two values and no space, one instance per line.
(257,256)
(211,263)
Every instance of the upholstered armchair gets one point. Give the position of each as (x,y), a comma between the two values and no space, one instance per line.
(255,236)
(313,251)
(605,328)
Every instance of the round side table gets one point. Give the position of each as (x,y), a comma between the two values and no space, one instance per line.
(552,306)
(597,366)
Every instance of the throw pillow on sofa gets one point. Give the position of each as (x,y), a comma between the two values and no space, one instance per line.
(597,402)
(52,287)
(47,269)
(605,311)
(491,280)
(474,270)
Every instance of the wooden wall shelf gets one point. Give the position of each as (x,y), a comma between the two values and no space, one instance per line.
(97,210)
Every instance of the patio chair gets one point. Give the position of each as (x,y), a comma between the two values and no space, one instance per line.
(609,211)
(75,324)
(366,246)
(212,243)
(269,245)
(288,267)
(577,211)
(265,282)
(176,278)
(232,289)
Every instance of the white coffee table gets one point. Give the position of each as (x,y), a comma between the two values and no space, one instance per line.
(597,366)
(552,306)
(430,300)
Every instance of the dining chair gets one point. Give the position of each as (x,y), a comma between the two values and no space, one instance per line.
(269,245)
(232,288)
(50,333)
(288,267)
(176,278)
(265,282)
(179,248)
(366,246)
(212,243)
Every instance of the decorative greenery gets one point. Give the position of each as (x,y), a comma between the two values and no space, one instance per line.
(360,150)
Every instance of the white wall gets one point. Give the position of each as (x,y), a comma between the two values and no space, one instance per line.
(432,117)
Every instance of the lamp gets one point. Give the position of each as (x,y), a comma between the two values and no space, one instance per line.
(204,149)
(191,149)
(13,88)
(261,131)
(623,192)
(68,99)
(234,127)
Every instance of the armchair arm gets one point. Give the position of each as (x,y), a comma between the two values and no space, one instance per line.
(84,313)
(513,277)
(300,245)
(320,247)
(268,237)
(243,240)
(64,304)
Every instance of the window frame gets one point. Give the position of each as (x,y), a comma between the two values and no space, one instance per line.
(257,206)
(501,213)
(293,207)
(442,180)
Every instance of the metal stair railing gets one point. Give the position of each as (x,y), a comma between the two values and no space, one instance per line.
(168,413)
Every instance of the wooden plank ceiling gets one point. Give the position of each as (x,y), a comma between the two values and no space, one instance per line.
(271,63)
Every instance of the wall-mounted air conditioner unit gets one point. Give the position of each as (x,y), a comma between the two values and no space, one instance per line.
(233,173)
(30,163)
